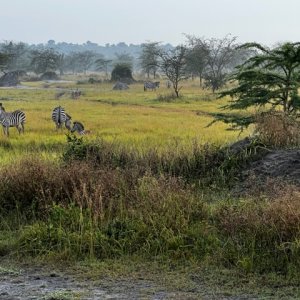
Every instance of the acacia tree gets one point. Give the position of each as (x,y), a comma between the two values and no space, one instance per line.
(18,54)
(221,53)
(4,59)
(197,56)
(44,60)
(85,60)
(173,65)
(103,64)
(271,77)
(149,59)
(61,63)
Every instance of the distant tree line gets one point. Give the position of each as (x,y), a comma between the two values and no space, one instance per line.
(67,57)
(211,60)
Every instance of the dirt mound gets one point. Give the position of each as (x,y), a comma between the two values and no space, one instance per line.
(264,171)
(10,79)
(49,76)
(280,163)
(275,172)
(120,86)
(240,146)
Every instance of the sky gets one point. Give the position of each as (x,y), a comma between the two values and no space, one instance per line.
(138,21)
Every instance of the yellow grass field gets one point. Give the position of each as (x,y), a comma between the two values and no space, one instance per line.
(133,117)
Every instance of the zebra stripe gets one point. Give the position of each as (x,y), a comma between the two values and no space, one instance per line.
(78,127)
(59,116)
(16,119)
(148,85)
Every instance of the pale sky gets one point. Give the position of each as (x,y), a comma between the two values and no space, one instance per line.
(138,21)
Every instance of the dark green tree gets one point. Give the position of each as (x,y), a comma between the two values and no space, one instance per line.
(271,79)
(44,61)
(122,72)
(18,54)
(4,60)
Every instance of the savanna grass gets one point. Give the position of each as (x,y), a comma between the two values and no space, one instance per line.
(133,117)
(120,205)
(146,182)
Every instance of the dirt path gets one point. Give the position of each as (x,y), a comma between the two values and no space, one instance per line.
(39,283)
(32,282)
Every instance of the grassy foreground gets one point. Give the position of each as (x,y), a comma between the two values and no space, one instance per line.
(106,202)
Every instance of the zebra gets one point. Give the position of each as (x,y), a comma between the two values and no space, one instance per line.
(78,127)
(59,116)
(75,94)
(16,119)
(148,85)
(68,122)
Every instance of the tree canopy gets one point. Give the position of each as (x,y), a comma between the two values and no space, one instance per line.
(173,65)
(122,72)
(149,58)
(271,77)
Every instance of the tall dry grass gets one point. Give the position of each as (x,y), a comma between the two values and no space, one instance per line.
(120,206)
(277,129)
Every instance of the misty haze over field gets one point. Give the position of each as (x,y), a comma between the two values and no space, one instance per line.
(138,21)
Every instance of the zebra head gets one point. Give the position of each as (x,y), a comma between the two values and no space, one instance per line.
(68,122)
(2,114)
(78,127)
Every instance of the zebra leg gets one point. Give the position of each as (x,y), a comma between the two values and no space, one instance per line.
(20,128)
(6,131)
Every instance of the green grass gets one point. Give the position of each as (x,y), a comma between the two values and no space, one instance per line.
(132,117)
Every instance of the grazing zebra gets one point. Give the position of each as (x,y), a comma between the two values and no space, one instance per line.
(148,85)
(68,122)
(78,127)
(12,119)
(75,94)
(59,116)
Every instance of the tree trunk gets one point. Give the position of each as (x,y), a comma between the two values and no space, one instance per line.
(200,77)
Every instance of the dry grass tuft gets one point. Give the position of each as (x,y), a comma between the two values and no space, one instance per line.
(278,129)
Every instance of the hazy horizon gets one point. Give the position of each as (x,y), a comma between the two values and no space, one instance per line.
(135,22)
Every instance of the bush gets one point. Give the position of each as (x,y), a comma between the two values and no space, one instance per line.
(123,73)
(261,236)
(277,129)
(167,97)
(49,76)
(204,164)
(77,209)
